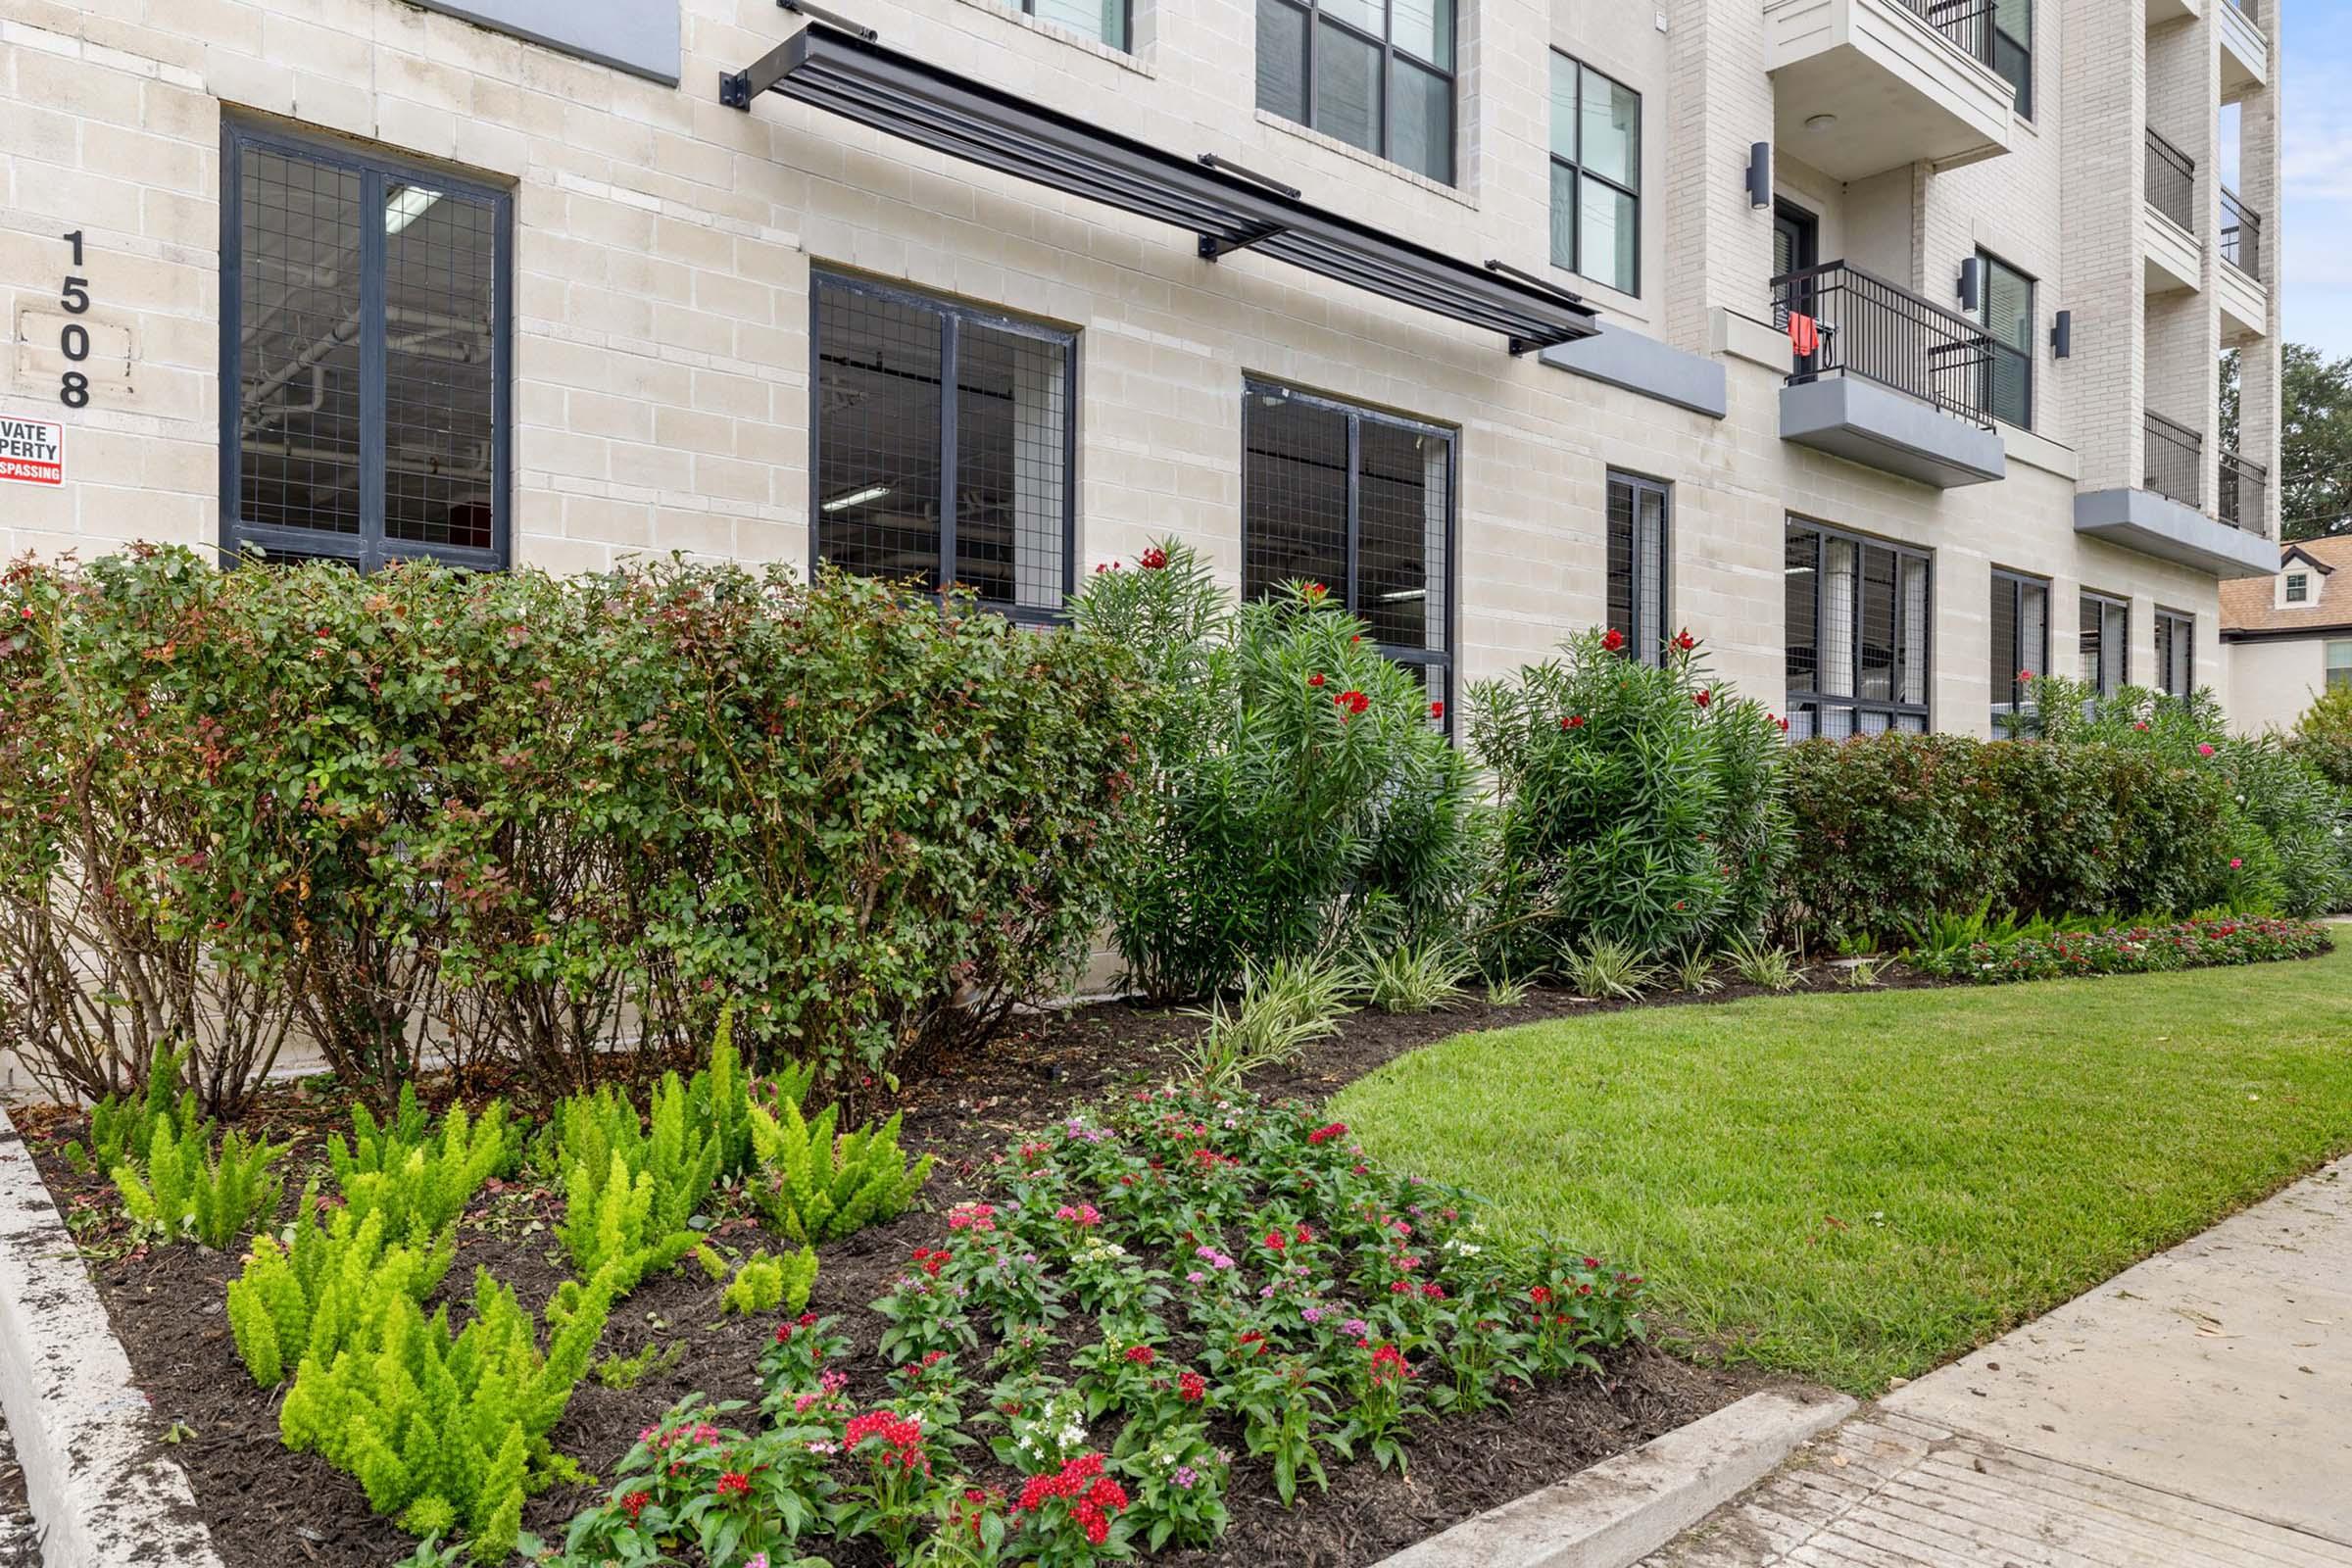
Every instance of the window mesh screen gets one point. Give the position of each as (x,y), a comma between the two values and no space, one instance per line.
(878,370)
(1857,635)
(1012,477)
(1636,565)
(1802,577)
(297,376)
(1400,533)
(1621,562)
(1295,494)
(440,367)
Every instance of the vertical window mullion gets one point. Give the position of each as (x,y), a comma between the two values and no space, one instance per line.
(950,338)
(372,391)
(1356,458)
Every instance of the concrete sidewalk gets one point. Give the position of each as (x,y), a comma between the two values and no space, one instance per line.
(2194,1411)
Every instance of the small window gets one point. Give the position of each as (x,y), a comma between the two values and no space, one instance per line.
(1857,634)
(1109,22)
(2008,318)
(2106,644)
(366,309)
(2298,587)
(1380,77)
(1638,522)
(1361,502)
(2175,652)
(1595,176)
(2339,666)
(2021,641)
(2013,49)
(910,482)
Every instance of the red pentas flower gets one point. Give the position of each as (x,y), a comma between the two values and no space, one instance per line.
(930,1260)
(734,1484)
(1142,1355)
(1192,1388)
(634,1504)
(1324,1135)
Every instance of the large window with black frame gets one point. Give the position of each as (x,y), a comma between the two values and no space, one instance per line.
(1373,73)
(2175,652)
(1858,628)
(1595,176)
(944,443)
(1637,524)
(2021,646)
(2106,643)
(366,331)
(2008,318)
(1361,502)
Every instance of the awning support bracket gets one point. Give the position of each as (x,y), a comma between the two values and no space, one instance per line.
(1214,246)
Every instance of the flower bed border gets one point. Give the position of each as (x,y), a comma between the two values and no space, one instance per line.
(100,1494)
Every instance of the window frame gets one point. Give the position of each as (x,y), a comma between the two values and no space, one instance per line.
(2020,703)
(1575,168)
(2171,625)
(369,548)
(2328,669)
(1390,52)
(1445,659)
(954,313)
(1644,644)
(2122,666)
(1988,262)
(2023,82)
(2297,588)
(1858,705)
(1126,43)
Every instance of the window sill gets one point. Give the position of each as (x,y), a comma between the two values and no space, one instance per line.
(1355,153)
(1055,30)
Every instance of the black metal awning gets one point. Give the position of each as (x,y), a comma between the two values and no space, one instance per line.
(1229,207)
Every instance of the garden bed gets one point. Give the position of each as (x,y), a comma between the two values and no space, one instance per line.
(265,1506)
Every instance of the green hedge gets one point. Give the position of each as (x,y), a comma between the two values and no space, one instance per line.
(529,817)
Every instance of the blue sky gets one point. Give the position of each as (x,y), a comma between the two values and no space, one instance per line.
(2318,154)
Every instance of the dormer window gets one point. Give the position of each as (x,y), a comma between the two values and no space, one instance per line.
(2298,587)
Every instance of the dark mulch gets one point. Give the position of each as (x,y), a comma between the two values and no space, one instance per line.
(266,1507)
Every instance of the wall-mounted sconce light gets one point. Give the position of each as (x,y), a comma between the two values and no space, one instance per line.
(1971,287)
(1759,174)
(2062,335)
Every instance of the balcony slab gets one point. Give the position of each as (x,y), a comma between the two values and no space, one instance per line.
(2245,50)
(2245,305)
(2171,531)
(1884,429)
(2174,259)
(1897,90)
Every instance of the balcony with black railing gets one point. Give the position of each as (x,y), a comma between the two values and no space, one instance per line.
(1879,375)
(1864,87)
(1967,23)
(2174,456)
(2241,234)
(2172,181)
(2244,498)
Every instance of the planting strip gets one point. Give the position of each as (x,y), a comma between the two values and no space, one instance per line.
(1619,1510)
(84,1432)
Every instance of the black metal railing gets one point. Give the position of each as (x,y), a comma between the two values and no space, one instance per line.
(2241,234)
(2172,181)
(1864,325)
(2175,458)
(1967,23)
(2244,500)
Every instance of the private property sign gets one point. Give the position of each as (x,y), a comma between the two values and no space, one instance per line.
(33,451)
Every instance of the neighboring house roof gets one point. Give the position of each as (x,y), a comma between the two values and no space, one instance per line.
(2250,606)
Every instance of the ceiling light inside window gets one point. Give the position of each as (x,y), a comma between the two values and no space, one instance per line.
(407,205)
(872,492)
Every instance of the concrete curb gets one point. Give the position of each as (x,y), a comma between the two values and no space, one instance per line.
(81,1426)
(1622,1509)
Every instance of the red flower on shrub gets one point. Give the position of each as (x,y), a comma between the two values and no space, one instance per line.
(1324,1135)
(1192,1388)
(2204,748)
(1703,696)
(1684,642)
(2025,676)
(2235,864)
(1436,709)
(1154,557)
(1573,721)
(1313,593)
(1316,680)
(1783,723)
(2142,724)
(634,1504)
(734,1484)
(1612,639)
(1352,704)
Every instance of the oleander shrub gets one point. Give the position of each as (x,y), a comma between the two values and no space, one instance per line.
(516,817)
(1299,796)
(2322,736)
(1637,804)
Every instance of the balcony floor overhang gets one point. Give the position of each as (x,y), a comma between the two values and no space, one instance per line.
(2171,530)
(854,77)
(1863,86)
(1858,419)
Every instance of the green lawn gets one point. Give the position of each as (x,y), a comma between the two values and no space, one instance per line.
(1853,1187)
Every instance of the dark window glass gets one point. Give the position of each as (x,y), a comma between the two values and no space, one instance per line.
(1857,635)
(366,299)
(2175,652)
(2298,587)
(902,489)
(2013,49)
(2021,640)
(1636,565)
(1375,76)
(1595,176)
(2008,317)
(1361,502)
(2106,642)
